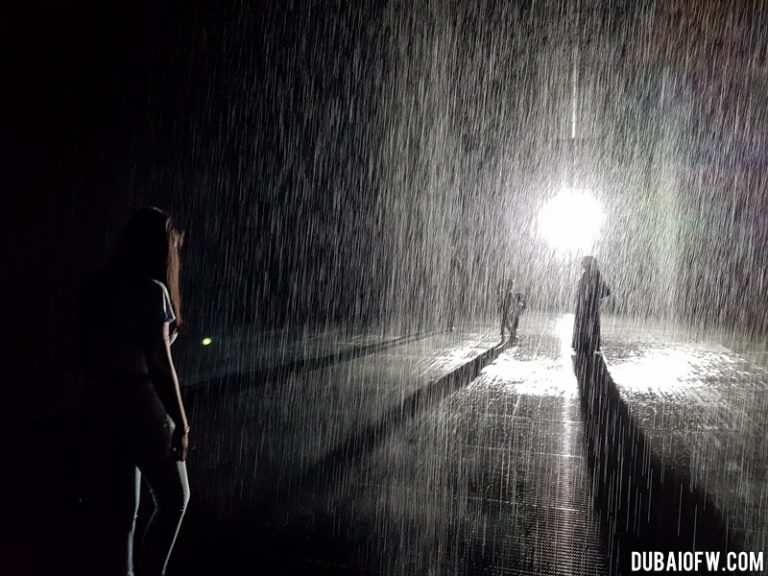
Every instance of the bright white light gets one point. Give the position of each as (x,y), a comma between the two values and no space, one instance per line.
(571,221)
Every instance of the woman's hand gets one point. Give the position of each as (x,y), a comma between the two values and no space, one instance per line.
(180,443)
(163,373)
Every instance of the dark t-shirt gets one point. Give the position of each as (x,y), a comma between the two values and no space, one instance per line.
(121,317)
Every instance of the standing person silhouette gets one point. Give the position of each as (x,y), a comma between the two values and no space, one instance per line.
(134,419)
(586,325)
(458,286)
(512,306)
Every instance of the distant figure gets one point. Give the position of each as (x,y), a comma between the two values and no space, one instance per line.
(512,306)
(134,419)
(586,326)
(456,298)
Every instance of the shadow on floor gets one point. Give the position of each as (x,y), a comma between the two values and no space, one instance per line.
(644,504)
(359,445)
(264,536)
(281,371)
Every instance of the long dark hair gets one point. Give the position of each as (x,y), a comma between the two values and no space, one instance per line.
(149,247)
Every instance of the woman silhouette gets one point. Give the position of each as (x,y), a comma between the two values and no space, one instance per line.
(134,416)
(586,325)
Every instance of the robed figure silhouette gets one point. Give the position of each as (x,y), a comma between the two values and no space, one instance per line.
(586,325)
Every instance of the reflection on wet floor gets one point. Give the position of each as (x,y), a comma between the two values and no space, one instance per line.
(490,481)
(498,475)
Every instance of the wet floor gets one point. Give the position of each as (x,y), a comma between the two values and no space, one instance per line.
(703,408)
(511,472)
(407,459)
(492,480)
(489,477)
(256,435)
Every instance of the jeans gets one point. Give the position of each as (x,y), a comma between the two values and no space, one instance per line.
(128,435)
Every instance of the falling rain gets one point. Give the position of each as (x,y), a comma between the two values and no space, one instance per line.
(468,286)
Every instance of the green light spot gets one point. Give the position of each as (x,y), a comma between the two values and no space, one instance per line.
(206,341)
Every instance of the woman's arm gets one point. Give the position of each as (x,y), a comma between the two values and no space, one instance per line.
(166,383)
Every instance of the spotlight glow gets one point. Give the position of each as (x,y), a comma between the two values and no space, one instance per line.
(571,221)
(206,341)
